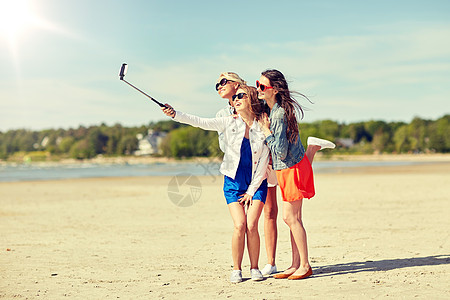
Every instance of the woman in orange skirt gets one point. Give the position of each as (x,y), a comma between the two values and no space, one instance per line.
(293,169)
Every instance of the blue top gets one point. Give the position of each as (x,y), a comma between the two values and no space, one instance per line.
(234,188)
(284,153)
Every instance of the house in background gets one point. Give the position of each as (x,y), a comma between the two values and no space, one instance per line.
(345,142)
(149,144)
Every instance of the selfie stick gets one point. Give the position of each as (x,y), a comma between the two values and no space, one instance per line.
(123,72)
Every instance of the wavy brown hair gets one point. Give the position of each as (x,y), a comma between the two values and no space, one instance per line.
(286,100)
(256,105)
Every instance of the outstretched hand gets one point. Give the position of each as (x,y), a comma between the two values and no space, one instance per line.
(169,111)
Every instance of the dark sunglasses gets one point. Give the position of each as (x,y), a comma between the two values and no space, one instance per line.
(222,82)
(262,87)
(239,96)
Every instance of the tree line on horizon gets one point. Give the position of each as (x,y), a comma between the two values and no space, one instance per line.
(418,136)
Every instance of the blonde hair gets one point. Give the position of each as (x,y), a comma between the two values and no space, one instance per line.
(233,77)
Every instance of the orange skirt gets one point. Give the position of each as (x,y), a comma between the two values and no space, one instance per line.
(297,182)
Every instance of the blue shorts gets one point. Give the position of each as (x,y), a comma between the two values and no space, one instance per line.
(234,188)
(233,193)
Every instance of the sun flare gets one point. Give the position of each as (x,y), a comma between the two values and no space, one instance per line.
(15,17)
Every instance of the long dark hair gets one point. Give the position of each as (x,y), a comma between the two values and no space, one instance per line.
(286,100)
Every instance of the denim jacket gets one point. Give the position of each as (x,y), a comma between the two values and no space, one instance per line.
(233,130)
(284,153)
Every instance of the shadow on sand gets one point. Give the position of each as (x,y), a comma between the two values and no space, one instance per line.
(382,265)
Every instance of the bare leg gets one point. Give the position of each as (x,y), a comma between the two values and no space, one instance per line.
(253,242)
(295,255)
(270,224)
(315,144)
(311,151)
(292,217)
(238,240)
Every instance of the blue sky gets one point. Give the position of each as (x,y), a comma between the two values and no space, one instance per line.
(357,61)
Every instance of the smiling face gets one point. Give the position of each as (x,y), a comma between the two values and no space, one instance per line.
(227,90)
(269,93)
(242,104)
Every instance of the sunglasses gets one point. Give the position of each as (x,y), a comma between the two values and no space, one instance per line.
(262,86)
(222,82)
(239,96)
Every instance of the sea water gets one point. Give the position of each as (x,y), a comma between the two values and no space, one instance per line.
(28,172)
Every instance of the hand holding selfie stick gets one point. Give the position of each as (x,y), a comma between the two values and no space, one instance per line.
(123,72)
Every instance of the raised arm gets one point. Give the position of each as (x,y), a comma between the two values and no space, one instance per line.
(216,124)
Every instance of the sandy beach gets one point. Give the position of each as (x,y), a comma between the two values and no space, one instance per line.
(374,232)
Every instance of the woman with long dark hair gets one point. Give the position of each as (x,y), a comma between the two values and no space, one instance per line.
(292,165)
(226,86)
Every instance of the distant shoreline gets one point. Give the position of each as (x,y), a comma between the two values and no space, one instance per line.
(102,160)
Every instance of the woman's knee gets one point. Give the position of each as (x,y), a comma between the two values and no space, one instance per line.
(271,207)
(252,228)
(290,219)
(240,227)
(270,212)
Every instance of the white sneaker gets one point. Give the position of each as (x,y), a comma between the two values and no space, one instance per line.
(256,275)
(320,142)
(268,269)
(236,276)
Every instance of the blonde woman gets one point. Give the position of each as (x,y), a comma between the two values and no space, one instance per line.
(244,168)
